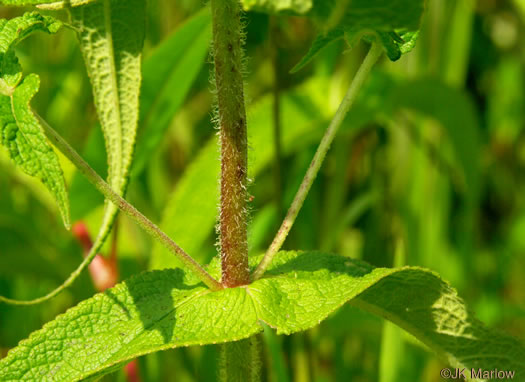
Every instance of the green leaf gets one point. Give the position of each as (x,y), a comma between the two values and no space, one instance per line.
(111,35)
(20,132)
(276,6)
(169,72)
(164,309)
(47,4)
(147,313)
(452,108)
(393,23)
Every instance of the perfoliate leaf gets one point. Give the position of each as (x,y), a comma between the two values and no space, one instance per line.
(190,215)
(111,35)
(20,131)
(164,309)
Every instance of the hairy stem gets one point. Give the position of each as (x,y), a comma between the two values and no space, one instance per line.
(351,95)
(227,50)
(240,361)
(127,208)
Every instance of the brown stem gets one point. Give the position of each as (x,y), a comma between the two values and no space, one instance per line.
(227,46)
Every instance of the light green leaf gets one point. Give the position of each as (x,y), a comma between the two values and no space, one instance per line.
(20,132)
(46,4)
(191,212)
(147,313)
(111,35)
(164,309)
(275,6)
(169,72)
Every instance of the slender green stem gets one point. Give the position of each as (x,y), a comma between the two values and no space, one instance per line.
(276,114)
(351,95)
(127,208)
(227,52)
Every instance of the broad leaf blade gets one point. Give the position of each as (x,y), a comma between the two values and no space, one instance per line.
(161,309)
(20,132)
(111,35)
(150,312)
(47,4)
(421,303)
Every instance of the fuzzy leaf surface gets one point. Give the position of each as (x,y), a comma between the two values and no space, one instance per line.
(165,309)
(47,4)
(276,6)
(20,131)
(111,35)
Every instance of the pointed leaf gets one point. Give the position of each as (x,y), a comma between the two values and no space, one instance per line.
(163,309)
(20,132)
(111,35)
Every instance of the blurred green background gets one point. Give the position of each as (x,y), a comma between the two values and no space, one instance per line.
(427,170)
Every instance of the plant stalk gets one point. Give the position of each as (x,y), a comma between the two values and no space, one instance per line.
(127,208)
(276,114)
(227,51)
(350,97)
(240,361)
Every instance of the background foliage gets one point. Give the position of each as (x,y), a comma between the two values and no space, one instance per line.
(426,171)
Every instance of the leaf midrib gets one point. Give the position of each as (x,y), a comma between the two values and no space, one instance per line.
(116,180)
(43,169)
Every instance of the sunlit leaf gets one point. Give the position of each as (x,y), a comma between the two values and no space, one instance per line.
(111,35)
(20,131)
(164,309)
(48,4)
